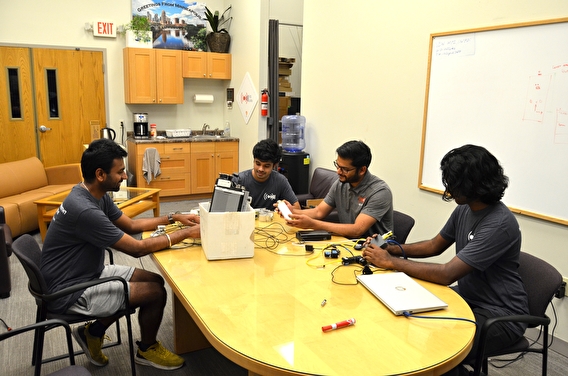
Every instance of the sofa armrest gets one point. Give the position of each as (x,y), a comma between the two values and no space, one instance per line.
(64,174)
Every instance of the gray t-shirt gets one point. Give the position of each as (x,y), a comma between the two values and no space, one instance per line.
(265,194)
(73,250)
(372,197)
(489,240)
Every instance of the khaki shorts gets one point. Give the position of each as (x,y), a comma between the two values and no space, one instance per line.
(107,298)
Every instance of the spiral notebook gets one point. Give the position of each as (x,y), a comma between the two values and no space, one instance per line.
(400,293)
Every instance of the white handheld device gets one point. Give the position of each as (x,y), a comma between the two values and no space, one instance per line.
(284,209)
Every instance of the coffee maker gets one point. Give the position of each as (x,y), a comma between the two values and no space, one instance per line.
(141,125)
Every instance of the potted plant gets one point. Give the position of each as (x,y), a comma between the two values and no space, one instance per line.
(140,29)
(218,40)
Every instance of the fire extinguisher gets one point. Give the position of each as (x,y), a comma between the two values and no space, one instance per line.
(264,103)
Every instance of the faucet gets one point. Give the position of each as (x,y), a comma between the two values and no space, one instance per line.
(205,127)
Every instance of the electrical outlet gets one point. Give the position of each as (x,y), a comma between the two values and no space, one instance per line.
(561,292)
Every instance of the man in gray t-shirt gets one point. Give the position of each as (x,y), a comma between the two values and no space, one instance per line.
(266,186)
(487,239)
(363,201)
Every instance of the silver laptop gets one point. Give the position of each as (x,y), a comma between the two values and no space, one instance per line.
(400,293)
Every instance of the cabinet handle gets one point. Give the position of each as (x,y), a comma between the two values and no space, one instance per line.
(204,75)
(153,100)
(165,157)
(177,148)
(165,178)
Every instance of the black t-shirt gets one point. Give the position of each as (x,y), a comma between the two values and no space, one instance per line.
(73,250)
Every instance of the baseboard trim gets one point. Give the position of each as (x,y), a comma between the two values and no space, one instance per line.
(558,345)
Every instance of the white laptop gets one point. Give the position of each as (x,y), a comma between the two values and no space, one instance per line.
(400,293)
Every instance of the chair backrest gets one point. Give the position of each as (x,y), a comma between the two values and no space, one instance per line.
(541,282)
(322,180)
(27,250)
(402,223)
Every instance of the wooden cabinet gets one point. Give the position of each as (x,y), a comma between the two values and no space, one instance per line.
(152,76)
(208,65)
(187,167)
(208,160)
(175,176)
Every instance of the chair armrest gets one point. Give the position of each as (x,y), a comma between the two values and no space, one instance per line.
(48,324)
(303,197)
(64,174)
(80,286)
(531,320)
(6,237)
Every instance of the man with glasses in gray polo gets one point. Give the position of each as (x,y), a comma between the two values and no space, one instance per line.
(363,201)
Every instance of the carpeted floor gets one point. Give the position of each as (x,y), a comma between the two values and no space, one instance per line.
(19,310)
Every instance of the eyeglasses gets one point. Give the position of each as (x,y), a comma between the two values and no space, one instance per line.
(345,170)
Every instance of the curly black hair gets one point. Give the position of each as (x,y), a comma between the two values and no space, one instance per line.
(267,151)
(473,172)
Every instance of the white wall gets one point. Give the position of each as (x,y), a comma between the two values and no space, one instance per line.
(364,77)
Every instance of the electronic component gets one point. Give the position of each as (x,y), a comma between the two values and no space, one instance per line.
(354,260)
(332,253)
(315,235)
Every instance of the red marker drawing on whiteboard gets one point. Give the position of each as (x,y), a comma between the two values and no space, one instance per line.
(339,325)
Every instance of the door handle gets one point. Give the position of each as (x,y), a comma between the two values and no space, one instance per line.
(44,129)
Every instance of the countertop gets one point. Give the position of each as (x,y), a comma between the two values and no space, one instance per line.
(180,139)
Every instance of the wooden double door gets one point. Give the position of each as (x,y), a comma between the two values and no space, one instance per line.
(52,102)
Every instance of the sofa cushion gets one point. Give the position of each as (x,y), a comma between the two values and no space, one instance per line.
(21,176)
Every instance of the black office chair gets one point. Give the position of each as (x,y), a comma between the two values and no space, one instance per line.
(72,370)
(541,282)
(5,252)
(27,250)
(402,224)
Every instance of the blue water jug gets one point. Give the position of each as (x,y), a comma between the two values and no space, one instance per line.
(293,127)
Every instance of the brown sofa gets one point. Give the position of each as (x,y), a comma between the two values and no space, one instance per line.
(25,181)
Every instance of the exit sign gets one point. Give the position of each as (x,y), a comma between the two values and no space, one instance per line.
(104,29)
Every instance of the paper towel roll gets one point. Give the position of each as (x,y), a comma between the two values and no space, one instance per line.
(203,98)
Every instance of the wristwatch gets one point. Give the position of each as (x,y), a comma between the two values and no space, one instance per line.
(171,216)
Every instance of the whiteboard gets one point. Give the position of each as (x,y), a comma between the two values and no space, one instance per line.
(506,89)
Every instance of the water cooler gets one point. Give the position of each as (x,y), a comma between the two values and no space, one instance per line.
(295,163)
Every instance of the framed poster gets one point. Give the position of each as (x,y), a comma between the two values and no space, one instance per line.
(176,24)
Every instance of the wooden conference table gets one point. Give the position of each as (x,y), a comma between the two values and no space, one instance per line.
(265,313)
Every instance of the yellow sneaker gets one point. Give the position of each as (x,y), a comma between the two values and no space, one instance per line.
(91,345)
(158,356)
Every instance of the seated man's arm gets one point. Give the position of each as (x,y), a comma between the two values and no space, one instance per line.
(444,274)
(140,248)
(312,219)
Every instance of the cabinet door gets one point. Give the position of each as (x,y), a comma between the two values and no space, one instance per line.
(139,75)
(194,64)
(219,66)
(226,158)
(169,78)
(203,167)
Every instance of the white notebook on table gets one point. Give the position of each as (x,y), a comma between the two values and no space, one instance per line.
(400,293)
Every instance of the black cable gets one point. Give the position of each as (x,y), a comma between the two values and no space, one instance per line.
(410,315)
(390,241)
(6,325)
